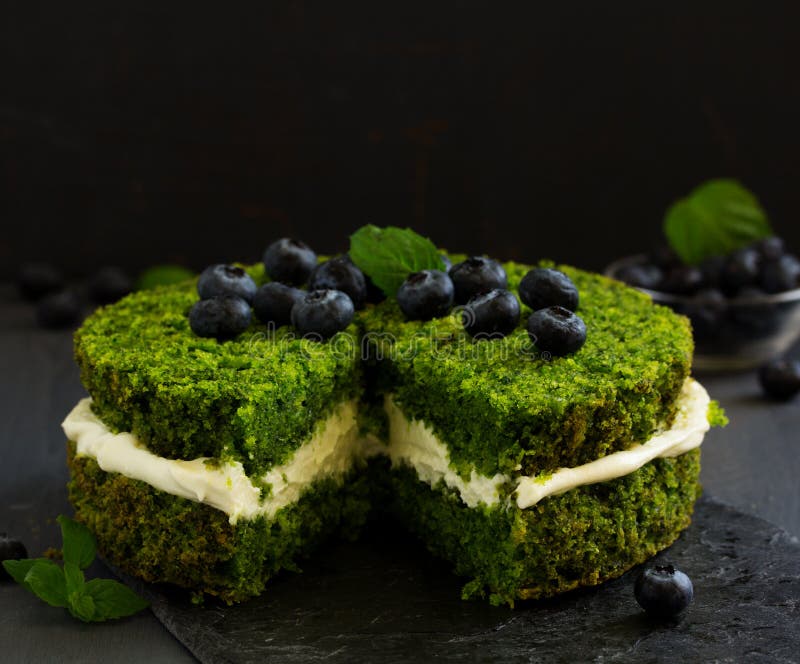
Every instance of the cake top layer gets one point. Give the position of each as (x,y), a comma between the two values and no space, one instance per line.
(253,399)
(497,404)
(501,406)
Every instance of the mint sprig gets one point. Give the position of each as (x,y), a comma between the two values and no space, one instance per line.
(388,255)
(66,587)
(715,219)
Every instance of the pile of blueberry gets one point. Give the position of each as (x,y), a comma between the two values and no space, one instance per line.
(59,305)
(761,268)
(490,310)
(229,296)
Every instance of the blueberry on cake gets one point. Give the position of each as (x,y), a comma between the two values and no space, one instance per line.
(536,426)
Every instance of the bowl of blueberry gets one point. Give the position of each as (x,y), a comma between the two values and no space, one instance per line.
(735,280)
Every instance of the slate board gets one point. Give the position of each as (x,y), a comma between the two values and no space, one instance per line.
(385,599)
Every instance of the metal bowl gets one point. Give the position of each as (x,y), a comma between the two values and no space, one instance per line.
(738,334)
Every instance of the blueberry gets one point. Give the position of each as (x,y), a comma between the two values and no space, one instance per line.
(289,261)
(58,310)
(375,295)
(706,310)
(740,270)
(223,317)
(771,248)
(218,280)
(780,274)
(10,549)
(663,591)
(273,303)
(494,313)
(323,313)
(556,330)
(641,276)
(108,285)
(36,280)
(340,274)
(664,257)
(682,280)
(425,295)
(780,379)
(544,287)
(712,271)
(446,262)
(475,275)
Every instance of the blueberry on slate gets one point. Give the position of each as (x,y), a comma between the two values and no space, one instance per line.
(641,276)
(425,295)
(682,280)
(475,275)
(289,261)
(38,279)
(556,330)
(771,248)
(340,274)
(544,287)
(109,284)
(494,313)
(273,303)
(663,591)
(323,313)
(10,549)
(780,274)
(741,269)
(221,279)
(780,379)
(58,310)
(223,317)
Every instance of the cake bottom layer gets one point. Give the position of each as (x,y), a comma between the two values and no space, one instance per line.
(164,538)
(579,538)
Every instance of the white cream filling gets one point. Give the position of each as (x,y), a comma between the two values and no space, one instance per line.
(413,443)
(332,450)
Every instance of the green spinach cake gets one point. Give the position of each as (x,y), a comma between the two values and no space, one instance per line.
(214,464)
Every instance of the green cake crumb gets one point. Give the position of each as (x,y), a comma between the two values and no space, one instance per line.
(716,415)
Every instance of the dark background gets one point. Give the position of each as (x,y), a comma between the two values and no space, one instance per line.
(132,134)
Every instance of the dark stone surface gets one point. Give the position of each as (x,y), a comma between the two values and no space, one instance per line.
(384,598)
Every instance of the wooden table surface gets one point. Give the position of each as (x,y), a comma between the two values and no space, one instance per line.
(753,464)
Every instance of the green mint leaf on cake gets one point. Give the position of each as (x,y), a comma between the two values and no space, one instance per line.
(715,219)
(113,599)
(79,544)
(66,587)
(388,255)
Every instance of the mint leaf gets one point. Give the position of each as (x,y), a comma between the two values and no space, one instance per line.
(74,578)
(162,275)
(388,255)
(82,606)
(113,599)
(716,218)
(46,581)
(18,569)
(78,543)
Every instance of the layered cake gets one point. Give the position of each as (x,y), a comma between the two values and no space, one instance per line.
(213,463)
